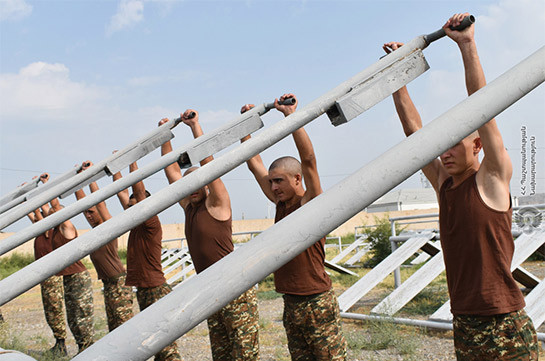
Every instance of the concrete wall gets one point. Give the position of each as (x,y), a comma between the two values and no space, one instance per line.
(172,231)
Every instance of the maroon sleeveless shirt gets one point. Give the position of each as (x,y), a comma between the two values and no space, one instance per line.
(144,255)
(58,240)
(107,262)
(42,245)
(208,239)
(478,249)
(305,274)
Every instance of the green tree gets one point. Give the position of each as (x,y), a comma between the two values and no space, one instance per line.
(379,238)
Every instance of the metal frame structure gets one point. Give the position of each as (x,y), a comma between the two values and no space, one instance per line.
(169,318)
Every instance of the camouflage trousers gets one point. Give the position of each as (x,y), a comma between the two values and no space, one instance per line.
(147,296)
(509,336)
(234,330)
(117,301)
(78,297)
(313,327)
(53,301)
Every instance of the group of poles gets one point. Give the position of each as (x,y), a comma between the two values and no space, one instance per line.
(191,303)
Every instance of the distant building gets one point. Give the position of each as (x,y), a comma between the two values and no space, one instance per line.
(405,200)
(538,198)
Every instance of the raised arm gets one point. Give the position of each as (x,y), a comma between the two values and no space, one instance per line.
(256,166)
(412,122)
(496,169)
(172,171)
(218,202)
(306,152)
(93,187)
(67,228)
(138,188)
(123,195)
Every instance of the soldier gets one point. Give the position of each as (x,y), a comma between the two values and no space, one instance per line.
(78,291)
(117,297)
(51,289)
(233,330)
(303,280)
(475,222)
(144,259)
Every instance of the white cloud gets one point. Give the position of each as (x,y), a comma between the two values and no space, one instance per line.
(129,12)
(509,32)
(45,90)
(14,9)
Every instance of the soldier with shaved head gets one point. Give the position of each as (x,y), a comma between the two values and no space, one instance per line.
(118,298)
(233,330)
(475,222)
(311,311)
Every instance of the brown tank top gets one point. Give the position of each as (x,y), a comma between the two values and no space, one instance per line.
(305,274)
(208,239)
(144,255)
(58,240)
(42,246)
(107,262)
(478,249)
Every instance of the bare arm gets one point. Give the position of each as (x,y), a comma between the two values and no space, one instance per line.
(412,122)
(306,153)
(256,166)
(67,228)
(138,188)
(218,202)
(123,195)
(172,172)
(495,172)
(93,187)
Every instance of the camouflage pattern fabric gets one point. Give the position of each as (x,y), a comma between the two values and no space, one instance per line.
(313,327)
(78,297)
(53,301)
(234,330)
(118,300)
(509,336)
(147,296)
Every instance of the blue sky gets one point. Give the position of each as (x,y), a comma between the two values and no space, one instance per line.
(79,79)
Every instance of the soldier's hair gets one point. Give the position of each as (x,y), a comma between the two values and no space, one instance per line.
(291,165)
(190,170)
(148,194)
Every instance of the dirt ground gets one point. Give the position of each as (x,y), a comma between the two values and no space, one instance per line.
(25,324)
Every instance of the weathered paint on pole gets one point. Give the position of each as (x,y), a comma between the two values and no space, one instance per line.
(41,199)
(199,148)
(195,300)
(80,247)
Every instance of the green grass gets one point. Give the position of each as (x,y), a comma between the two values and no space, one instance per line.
(13,263)
(381,336)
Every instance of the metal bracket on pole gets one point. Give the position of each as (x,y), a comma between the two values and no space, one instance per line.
(57,180)
(138,151)
(125,158)
(208,145)
(377,87)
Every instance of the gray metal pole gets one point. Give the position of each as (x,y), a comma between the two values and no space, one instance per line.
(202,295)
(19,191)
(77,181)
(78,248)
(199,148)
(393,245)
(407,321)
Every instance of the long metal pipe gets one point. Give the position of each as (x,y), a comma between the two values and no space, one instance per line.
(78,248)
(75,208)
(30,205)
(205,293)
(407,321)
